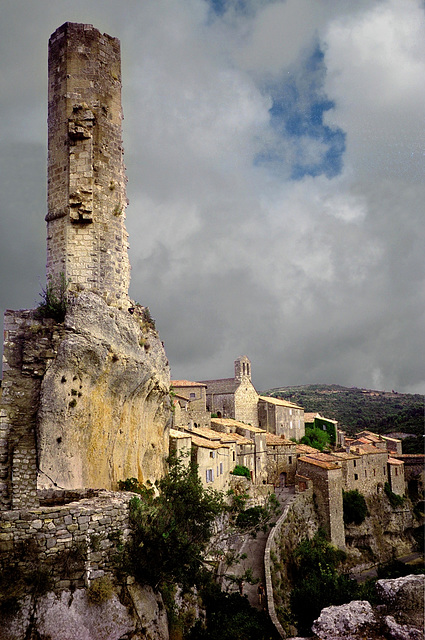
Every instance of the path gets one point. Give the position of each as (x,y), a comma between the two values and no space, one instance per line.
(254,550)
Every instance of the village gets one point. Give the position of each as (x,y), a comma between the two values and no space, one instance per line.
(227,424)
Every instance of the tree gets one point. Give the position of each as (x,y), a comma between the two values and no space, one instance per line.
(317,581)
(354,507)
(316,437)
(172,525)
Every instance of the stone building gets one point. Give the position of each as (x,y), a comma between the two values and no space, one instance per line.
(326,476)
(213,454)
(234,397)
(317,421)
(281,417)
(190,404)
(281,460)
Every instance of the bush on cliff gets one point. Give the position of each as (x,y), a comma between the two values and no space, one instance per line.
(172,525)
(318,584)
(354,506)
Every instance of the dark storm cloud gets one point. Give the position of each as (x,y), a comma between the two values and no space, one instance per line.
(316,279)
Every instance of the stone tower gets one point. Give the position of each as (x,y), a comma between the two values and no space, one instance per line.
(243,368)
(87,240)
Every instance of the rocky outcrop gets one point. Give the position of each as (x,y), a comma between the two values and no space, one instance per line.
(386,532)
(72,616)
(400,616)
(104,404)
(85,402)
(346,621)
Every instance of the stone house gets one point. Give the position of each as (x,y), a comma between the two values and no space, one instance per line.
(315,420)
(189,402)
(281,460)
(396,476)
(234,397)
(255,436)
(368,472)
(281,417)
(213,457)
(327,485)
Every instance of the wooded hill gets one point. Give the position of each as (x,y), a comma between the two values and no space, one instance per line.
(358,409)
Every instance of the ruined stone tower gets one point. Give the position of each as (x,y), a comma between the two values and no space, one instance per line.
(86,235)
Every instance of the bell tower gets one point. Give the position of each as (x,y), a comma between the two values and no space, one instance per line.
(87,242)
(243,368)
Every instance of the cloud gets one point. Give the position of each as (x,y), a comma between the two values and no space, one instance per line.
(275,159)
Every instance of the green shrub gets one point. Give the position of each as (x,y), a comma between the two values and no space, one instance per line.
(100,590)
(54,299)
(394,498)
(130,484)
(240,470)
(355,508)
(316,437)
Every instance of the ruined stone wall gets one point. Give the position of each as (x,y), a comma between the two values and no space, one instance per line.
(30,344)
(86,237)
(75,543)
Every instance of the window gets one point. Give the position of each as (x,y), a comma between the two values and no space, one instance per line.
(217,472)
(221,468)
(233,456)
(365,473)
(290,459)
(374,472)
(212,454)
(356,477)
(396,471)
(290,412)
(385,471)
(355,463)
(210,475)
(192,395)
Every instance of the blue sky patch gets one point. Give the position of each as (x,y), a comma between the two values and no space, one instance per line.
(297,115)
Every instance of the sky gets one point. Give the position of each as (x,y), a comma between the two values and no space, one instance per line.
(275,152)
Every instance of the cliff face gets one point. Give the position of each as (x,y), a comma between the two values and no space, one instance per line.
(104,405)
(85,403)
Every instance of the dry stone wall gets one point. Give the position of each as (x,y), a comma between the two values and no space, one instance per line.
(75,542)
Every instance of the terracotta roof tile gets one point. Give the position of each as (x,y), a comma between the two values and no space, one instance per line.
(280,402)
(186,383)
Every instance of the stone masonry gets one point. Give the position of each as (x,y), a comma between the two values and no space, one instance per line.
(86,236)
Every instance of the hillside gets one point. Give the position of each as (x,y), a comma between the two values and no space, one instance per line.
(358,409)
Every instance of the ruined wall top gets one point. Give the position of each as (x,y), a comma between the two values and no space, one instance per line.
(86,237)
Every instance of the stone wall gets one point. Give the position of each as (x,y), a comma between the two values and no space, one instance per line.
(75,542)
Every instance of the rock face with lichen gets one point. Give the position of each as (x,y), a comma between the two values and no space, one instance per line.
(85,402)
(399,616)
(104,404)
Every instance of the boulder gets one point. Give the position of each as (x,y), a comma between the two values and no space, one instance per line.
(346,621)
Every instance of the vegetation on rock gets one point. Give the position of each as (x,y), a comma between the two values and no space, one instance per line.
(355,507)
(54,299)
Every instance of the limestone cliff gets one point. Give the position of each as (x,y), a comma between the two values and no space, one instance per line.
(85,403)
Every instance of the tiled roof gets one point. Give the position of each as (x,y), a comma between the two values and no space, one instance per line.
(186,383)
(394,461)
(207,444)
(280,402)
(175,433)
(214,435)
(230,422)
(364,449)
(273,439)
(309,417)
(305,449)
(319,463)
(343,455)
